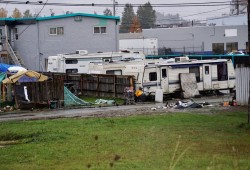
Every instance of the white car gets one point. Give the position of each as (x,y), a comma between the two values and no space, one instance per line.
(236,53)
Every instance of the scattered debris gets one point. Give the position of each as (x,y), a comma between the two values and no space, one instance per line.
(108,102)
(8,108)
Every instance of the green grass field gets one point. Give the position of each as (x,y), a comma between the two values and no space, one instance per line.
(162,141)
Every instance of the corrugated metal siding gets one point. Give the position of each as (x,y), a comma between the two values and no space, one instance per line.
(242,85)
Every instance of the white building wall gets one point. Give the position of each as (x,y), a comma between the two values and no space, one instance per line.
(149,46)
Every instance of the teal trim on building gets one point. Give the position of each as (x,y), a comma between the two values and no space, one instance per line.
(62,16)
(78,14)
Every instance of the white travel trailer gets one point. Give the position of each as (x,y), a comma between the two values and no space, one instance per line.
(210,74)
(79,61)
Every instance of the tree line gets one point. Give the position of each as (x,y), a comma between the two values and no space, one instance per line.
(16,13)
(144,18)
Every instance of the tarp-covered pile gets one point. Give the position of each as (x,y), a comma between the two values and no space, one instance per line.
(25,76)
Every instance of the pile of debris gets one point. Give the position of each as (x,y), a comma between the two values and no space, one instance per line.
(190,103)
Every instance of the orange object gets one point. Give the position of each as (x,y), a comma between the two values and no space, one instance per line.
(225,103)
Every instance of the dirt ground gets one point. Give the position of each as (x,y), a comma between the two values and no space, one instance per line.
(123,110)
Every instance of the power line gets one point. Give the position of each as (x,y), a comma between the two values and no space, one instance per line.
(223,3)
(193,14)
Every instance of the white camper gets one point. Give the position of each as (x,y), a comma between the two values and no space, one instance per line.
(79,61)
(165,74)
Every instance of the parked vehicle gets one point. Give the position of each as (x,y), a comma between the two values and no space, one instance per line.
(79,62)
(236,53)
(210,75)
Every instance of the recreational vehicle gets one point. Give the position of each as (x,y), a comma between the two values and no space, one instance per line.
(152,75)
(79,61)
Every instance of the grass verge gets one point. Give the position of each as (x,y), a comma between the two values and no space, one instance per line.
(161,141)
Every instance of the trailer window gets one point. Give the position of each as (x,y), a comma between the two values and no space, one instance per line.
(152,76)
(206,70)
(71,61)
(114,72)
(164,73)
(71,70)
(222,72)
(196,71)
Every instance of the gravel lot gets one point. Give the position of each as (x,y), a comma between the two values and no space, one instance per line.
(123,110)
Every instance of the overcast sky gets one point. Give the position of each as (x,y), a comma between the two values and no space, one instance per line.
(183,11)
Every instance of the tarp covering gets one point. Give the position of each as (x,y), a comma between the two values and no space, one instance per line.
(26,76)
(71,100)
(2,76)
(4,67)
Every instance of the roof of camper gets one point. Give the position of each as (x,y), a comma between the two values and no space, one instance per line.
(190,63)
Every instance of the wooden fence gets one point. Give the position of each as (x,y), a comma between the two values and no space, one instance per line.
(98,85)
(39,93)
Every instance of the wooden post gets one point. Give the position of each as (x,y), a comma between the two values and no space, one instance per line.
(98,87)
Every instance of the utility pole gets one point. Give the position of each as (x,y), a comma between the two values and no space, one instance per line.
(248,49)
(114,7)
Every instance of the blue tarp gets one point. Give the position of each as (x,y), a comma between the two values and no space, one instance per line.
(4,67)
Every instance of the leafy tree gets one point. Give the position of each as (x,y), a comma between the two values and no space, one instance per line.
(27,14)
(3,13)
(135,27)
(146,16)
(16,13)
(127,18)
(107,12)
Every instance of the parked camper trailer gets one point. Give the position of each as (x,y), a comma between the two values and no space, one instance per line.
(79,61)
(160,74)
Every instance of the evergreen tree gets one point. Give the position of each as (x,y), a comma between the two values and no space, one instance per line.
(127,18)
(16,13)
(27,14)
(107,12)
(146,16)
(3,13)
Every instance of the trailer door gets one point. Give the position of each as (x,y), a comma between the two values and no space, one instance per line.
(207,77)
(164,79)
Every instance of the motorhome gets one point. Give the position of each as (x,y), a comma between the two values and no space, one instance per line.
(79,62)
(210,75)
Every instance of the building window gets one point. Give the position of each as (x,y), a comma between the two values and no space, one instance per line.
(164,73)
(218,48)
(232,46)
(16,33)
(152,76)
(56,31)
(100,30)
(72,70)
(71,61)
(78,18)
(206,70)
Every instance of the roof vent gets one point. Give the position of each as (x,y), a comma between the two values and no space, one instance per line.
(82,52)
